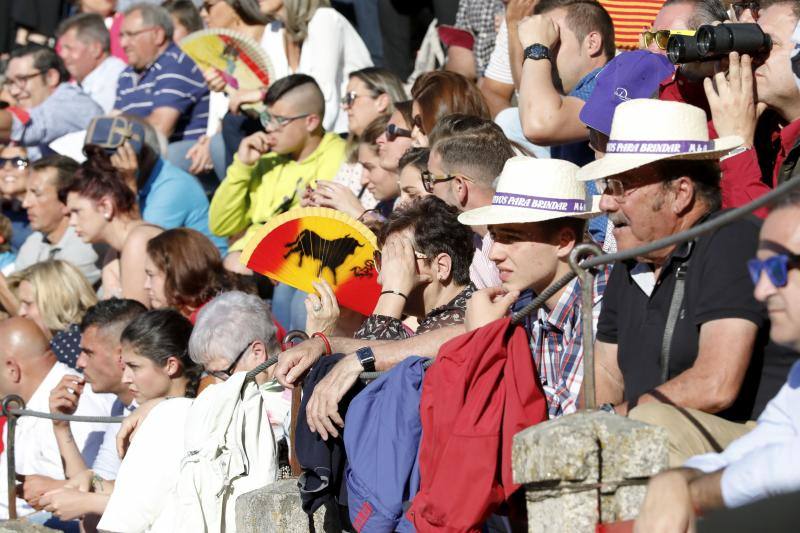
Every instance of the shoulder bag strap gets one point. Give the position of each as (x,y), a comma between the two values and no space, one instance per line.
(672,318)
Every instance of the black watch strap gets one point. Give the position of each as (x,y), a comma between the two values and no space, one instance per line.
(366,358)
(537,51)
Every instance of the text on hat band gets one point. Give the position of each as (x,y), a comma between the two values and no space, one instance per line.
(658,147)
(536,202)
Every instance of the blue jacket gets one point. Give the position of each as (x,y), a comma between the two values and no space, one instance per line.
(381,437)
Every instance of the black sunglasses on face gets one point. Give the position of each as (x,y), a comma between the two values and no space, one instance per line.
(18,162)
(393,131)
(741,7)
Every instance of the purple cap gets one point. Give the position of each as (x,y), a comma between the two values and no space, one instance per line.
(630,75)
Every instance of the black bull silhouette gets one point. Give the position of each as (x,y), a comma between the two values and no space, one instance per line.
(330,253)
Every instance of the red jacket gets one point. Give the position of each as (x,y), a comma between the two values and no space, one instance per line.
(482,390)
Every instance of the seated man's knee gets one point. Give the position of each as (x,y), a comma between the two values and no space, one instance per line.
(658,414)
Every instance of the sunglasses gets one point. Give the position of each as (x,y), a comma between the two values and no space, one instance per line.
(429,179)
(376,256)
(223,375)
(776,268)
(740,7)
(350,98)
(661,37)
(18,162)
(393,131)
(418,124)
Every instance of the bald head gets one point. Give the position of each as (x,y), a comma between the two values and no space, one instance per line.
(300,91)
(21,338)
(25,357)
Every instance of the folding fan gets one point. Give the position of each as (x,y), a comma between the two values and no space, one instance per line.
(237,57)
(303,245)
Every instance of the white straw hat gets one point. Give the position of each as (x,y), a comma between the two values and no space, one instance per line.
(644,131)
(534,190)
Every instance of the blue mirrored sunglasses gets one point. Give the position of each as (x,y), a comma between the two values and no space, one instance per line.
(776,267)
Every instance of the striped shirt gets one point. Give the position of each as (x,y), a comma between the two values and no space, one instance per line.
(556,339)
(630,18)
(172,80)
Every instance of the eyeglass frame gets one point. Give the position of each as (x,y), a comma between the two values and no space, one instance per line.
(643,36)
(349,98)
(21,162)
(280,121)
(786,261)
(754,7)
(377,261)
(603,184)
(429,179)
(132,34)
(393,131)
(223,375)
(418,123)
(22,81)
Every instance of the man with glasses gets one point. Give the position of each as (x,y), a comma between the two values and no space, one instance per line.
(681,342)
(161,84)
(762,463)
(273,167)
(47,105)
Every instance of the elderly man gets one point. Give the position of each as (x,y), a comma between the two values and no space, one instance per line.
(762,463)
(85,46)
(48,107)
(679,326)
(161,84)
(30,370)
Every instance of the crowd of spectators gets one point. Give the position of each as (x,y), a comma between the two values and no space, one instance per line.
(132,180)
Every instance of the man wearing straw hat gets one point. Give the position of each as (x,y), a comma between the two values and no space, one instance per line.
(681,342)
(535,225)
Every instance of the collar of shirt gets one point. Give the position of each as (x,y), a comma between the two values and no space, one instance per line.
(789,135)
(562,315)
(458,303)
(583,89)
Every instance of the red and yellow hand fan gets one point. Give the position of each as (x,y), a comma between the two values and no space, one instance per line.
(303,245)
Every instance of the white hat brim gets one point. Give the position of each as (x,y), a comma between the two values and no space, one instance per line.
(614,164)
(503,214)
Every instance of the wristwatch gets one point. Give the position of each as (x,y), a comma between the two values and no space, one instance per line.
(366,358)
(537,51)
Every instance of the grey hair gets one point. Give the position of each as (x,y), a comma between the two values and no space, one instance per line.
(228,324)
(153,15)
(705,11)
(89,27)
(299,14)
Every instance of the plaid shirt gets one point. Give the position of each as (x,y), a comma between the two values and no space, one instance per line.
(556,339)
(478,17)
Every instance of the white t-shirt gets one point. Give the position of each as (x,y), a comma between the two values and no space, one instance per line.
(499,68)
(332,50)
(36,448)
(101,83)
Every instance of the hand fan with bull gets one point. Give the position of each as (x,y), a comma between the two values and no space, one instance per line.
(303,245)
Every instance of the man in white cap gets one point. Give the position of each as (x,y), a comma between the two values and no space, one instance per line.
(681,341)
(535,225)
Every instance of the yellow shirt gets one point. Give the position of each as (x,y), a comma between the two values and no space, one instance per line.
(250,195)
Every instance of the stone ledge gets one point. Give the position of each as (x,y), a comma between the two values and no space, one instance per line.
(22,526)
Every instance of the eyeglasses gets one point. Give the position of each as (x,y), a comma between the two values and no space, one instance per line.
(661,37)
(393,131)
(429,179)
(349,98)
(776,267)
(223,375)
(130,34)
(418,123)
(740,7)
(277,121)
(376,256)
(21,81)
(18,162)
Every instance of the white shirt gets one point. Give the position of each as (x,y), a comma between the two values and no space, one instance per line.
(332,50)
(483,271)
(101,83)
(36,448)
(499,68)
(107,462)
(763,462)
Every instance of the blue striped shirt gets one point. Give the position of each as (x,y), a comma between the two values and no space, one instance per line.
(172,80)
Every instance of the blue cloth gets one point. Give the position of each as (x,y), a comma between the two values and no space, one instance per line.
(581,154)
(172,198)
(20,225)
(381,437)
(7,258)
(172,80)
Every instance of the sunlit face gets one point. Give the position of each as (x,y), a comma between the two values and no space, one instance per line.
(525,255)
(80,57)
(781,234)
(45,210)
(390,152)
(775,82)
(381,183)
(364,109)
(14,172)
(141,43)
(571,59)
(154,284)
(28,308)
(411,187)
(100,360)
(143,376)
(218,14)
(418,134)
(671,17)
(289,138)
(27,85)
(85,217)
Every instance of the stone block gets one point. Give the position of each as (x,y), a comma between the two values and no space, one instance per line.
(22,526)
(276,509)
(572,512)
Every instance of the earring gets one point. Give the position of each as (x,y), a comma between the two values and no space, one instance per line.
(107,216)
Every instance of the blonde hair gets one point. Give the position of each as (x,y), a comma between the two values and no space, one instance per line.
(298,15)
(62,293)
